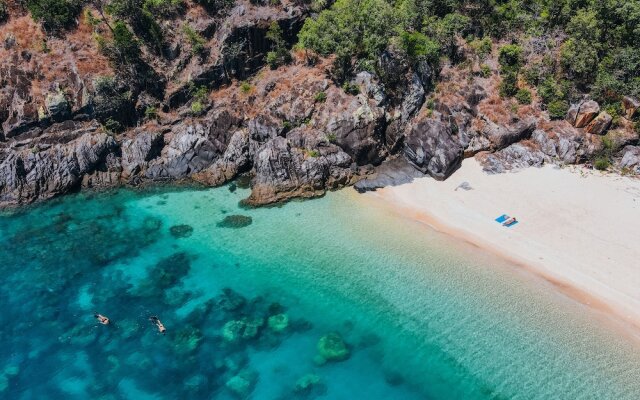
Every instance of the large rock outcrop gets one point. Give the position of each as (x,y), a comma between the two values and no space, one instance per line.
(283,171)
(584,113)
(52,164)
(430,146)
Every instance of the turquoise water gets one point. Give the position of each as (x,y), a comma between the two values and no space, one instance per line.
(422,316)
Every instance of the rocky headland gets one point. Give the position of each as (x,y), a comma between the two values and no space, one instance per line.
(210,110)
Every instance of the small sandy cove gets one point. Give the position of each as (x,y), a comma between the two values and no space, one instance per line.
(577,228)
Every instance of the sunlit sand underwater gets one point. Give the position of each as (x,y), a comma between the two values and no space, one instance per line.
(405,312)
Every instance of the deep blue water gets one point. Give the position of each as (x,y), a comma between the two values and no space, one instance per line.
(246,304)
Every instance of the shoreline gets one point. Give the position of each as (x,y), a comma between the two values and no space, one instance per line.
(571,254)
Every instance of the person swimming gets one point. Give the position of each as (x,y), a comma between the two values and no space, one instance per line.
(102,319)
(156,321)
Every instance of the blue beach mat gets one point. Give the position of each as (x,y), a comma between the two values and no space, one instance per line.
(502,218)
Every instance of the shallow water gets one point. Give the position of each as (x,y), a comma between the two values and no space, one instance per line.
(423,317)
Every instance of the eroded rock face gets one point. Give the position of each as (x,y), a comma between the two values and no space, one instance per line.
(513,157)
(139,151)
(283,171)
(502,136)
(430,146)
(52,165)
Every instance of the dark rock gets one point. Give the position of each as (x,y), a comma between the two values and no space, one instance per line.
(413,98)
(235,221)
(283,171)
(237,158)
(53,164)
(516,156)
(137,152)
(181,231)
(501,137)
(392,172)
(430,147)
(189,150)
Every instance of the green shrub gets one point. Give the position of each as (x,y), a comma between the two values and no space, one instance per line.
(112,100)
(350,88)
(279,54)
(55,15)
(113,126)
(123,49)
(523,96)
(4,12)
(313,153)
(549,91)
(197,108)
(532,74)
(510,57)
(419,47)
(508,86)
(482,47)
(245,87)
(320,97)
(485,71)
(151,113)
(332,138)
(163,8)
(196,41)
(602,163)
(558,109)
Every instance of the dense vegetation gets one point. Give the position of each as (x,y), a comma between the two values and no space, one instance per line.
(560,47)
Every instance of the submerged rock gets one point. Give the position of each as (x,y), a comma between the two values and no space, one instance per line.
(244,329)
(332,347)
(242,384)
(167,273)
(187,340)
(278,322)
(231,300)
(308,385)
(235,221)
(181,231)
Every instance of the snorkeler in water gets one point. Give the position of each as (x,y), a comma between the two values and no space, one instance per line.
(156,321)
(102,319)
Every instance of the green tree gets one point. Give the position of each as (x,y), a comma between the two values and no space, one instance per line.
(419,47)
(350,29)
(510,57)
(447,31)
(279,53)
(55,15)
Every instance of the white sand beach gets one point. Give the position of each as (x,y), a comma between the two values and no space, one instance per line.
(577,228)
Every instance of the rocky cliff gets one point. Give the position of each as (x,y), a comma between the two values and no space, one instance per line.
(212,115)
